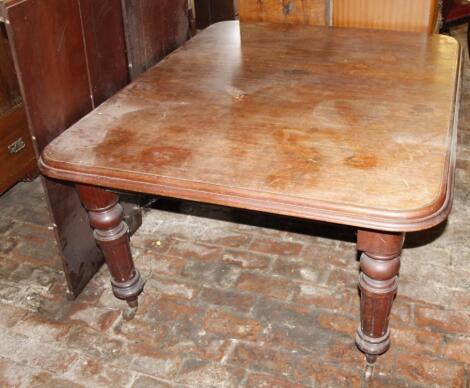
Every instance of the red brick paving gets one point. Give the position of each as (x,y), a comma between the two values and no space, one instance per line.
(233,299)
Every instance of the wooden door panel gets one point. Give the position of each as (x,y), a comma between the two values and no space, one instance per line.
(311,12)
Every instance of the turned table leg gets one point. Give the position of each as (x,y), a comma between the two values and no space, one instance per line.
(378,283)
(111,234)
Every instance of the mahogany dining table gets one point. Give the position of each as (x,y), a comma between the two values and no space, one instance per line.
(346,126)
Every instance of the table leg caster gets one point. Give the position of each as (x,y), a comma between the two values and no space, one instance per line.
(129,291)
(369,371)
(371,359)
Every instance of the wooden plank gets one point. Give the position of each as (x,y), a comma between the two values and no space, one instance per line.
(176,23)
(222,10)
(52,64)
(203,13)
(399,15)
(49,55)
(310,12)
(105,47)
(2,11)
(13,126)
(153,30)
(9,90)
(213,11)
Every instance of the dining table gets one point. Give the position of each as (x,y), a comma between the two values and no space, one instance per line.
(344,126)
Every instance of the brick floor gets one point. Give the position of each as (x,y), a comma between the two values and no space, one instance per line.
(232,299)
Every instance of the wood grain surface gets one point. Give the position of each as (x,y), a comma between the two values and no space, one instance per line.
(311,12)
(399,15)
(349,126)
(10,95)
(49,51)
(105,44)
(213,11)
(153,30)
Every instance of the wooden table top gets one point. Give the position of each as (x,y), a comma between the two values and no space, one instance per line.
(348,126)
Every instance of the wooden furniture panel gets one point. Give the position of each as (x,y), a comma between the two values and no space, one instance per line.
(455,12)
(17,159)
(105,47)
(306,142)
(153,30)
(71,56)
(213,11)
(50,56)
(10,95)
(311,12)
(54,74)
(399,15)
(222,10)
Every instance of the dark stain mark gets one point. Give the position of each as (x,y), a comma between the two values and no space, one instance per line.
(299,173)
(120,137)
(238,152)
(301,161)
(359,66)
(346,109)
(361,161)
(8,244)
(422,109)
(288,7)
(120,146)
(296,72)
(178,130)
